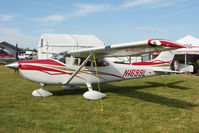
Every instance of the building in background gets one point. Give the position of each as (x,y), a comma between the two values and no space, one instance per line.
(50,44)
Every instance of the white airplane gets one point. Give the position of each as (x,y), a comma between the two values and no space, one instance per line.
(90,66)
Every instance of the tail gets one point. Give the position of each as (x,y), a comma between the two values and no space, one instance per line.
(164,61)
(166,56)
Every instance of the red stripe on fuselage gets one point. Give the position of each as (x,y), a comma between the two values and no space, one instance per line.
(48,61)
(103,73)
(46,70)
(43,69)
(29,65)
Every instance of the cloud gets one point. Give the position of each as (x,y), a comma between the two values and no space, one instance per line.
(81,10)
(56,18)
(146,28)
(12,35)
(84,9)
(152,3)
(48,30)
(6,18)
(133,3)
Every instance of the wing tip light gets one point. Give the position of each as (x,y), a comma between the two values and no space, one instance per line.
(166,43)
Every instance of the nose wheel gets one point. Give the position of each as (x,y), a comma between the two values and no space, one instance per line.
(41,92)
(92,94)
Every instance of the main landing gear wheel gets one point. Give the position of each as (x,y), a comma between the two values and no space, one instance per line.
(41,92)
(92,94)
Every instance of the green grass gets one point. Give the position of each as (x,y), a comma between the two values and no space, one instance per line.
(139,105)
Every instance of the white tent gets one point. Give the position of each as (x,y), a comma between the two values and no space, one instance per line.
(50,44)
(190,41)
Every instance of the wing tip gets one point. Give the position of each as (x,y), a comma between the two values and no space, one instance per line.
(165,43)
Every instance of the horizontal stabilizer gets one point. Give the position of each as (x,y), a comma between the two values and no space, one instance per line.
(166,70)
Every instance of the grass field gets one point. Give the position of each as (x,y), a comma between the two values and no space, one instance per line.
(140,105)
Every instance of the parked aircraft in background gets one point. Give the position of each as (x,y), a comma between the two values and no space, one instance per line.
(91,65)
(4,55)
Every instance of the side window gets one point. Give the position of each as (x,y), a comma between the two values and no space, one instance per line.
(61,57)
(119,62)
(42,42)
(101,63)
(62,60)
(88,64)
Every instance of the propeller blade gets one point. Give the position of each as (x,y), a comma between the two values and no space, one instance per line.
(17,52)
(17,70)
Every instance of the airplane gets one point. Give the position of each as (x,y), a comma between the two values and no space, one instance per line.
(92,65)
(4,55)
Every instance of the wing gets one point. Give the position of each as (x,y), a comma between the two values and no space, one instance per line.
(128,49)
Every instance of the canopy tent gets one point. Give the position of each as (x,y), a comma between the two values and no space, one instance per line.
(191,42)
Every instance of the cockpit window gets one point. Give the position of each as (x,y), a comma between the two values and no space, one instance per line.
(65,58)
(60,56)
(100,63)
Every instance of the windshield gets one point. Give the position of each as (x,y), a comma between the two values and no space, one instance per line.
(60,56)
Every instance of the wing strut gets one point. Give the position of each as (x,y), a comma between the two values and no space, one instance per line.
(80,67)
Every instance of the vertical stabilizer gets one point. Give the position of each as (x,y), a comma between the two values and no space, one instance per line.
(164,60)
(166,56)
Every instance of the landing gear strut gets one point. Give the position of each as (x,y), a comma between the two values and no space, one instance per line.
(92,94)
(41,92)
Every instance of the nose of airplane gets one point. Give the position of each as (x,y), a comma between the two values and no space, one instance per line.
(13,65)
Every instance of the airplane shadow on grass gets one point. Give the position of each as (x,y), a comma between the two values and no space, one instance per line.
(133,92)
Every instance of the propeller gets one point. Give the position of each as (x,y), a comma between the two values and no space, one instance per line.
(17,52)
(15,65)
(17,58)
(16,71)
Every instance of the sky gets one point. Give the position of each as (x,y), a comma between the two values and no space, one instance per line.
(112,21)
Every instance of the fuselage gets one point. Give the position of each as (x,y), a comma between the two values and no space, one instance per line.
(55,72)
